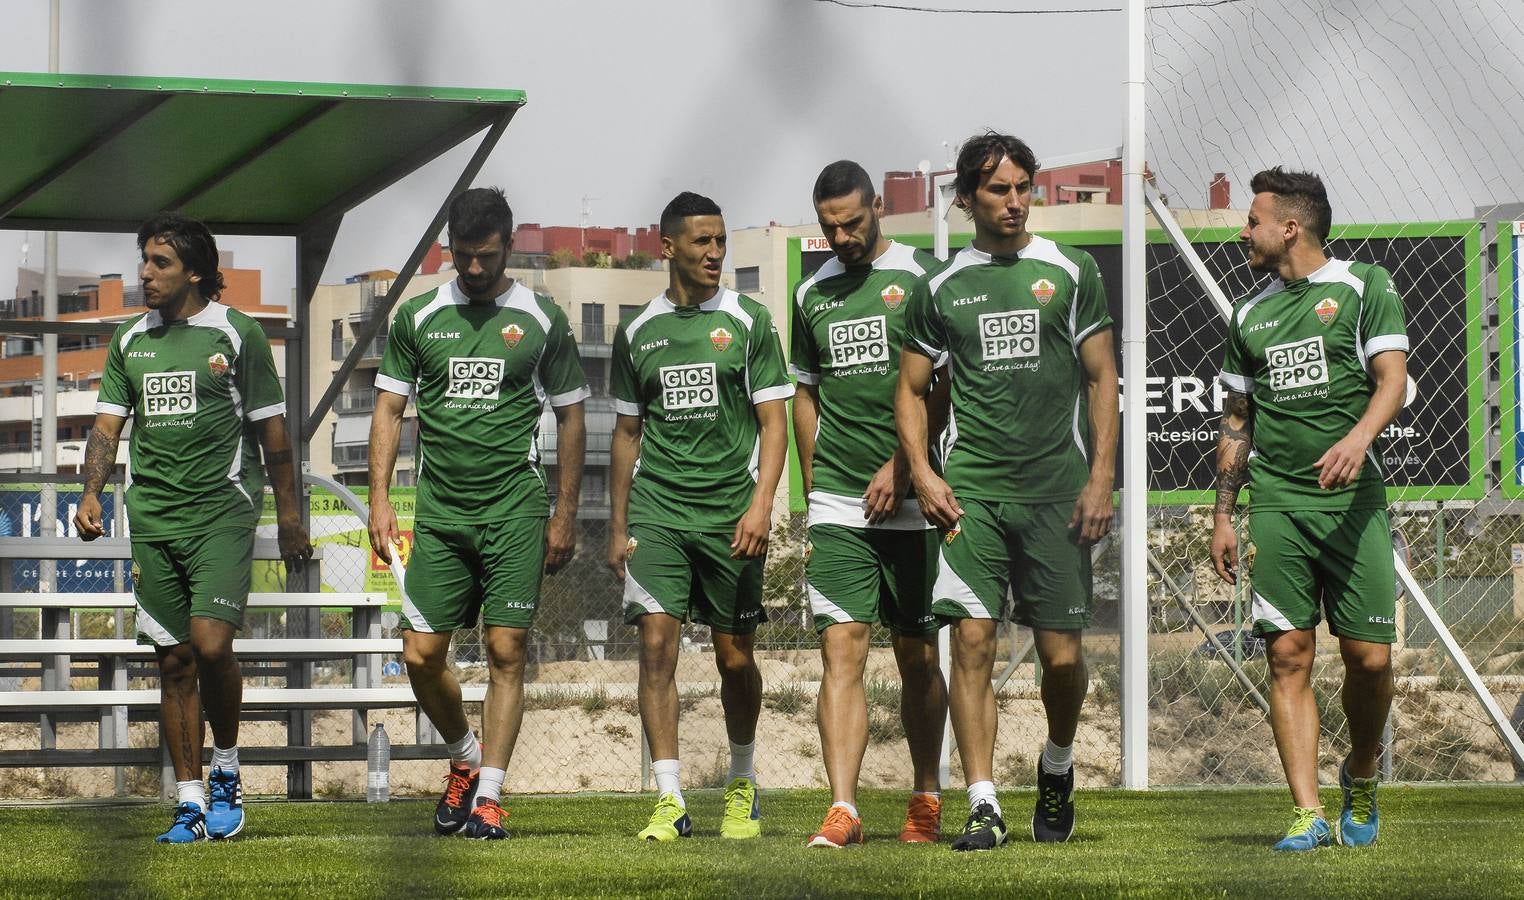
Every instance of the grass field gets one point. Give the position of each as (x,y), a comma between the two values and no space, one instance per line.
(1436,842)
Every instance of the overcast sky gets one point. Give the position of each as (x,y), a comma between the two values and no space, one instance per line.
(1413,108)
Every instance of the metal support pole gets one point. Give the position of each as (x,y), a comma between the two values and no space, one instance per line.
(1134,611)
(48,415)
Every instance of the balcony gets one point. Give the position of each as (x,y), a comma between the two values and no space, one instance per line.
(596,339)
(357,456)
(356,401)
(371,355)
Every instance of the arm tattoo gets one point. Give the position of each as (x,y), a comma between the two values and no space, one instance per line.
(100,459)
(1233,451)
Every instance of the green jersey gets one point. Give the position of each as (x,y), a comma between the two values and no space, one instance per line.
(1302,350)
(693,374)
(848,325)
(193,389)
(482,372)
(1019,428)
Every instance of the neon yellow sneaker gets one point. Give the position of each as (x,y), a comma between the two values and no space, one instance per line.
(743,813)
(669,822)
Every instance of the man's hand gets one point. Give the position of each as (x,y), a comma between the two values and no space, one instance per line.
(87,519)
(1093,512)
(295,546)
(1225,549)
(560,542)
(621,545)
(1341,465)
(750,541)
(938,504)
(383,529)
(882,499)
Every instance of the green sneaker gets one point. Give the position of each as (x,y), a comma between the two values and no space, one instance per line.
(743,813)
(669,822)
(1308,831)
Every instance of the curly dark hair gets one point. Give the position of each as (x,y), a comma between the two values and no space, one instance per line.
(193,243)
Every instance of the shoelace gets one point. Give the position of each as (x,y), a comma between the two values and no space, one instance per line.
(490,813)
(840,818)
(456,786)
(223,790)
(1303,822)
(1361,799)
(186,814)
(737,802)
(666,803)
(1052,802)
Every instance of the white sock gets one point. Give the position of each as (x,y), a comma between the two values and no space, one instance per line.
(665,771)
(191,792)
(490,783)
(226,760)
(1057,760)
(982,792)
(742,760)
(848,807)
(466,750)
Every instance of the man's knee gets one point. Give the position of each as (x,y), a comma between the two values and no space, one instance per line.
(425,660)
(1289,657)
(212,652)
(844,650)
(1367,661)
(177,664)
(917,659)
(973,647)
(505,657)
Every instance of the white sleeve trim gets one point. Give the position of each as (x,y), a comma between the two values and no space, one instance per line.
(393,385)
(939,355)
(1080,338)
(111,409)
(1384,342)
(803,376)
(781,392)
(1243,384)
(265,412)
(570,397)
(626,408)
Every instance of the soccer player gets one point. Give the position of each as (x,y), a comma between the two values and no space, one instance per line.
(699,387)
(872,554)
(199,382)
(482,354)
(1315,369)
(1028,454)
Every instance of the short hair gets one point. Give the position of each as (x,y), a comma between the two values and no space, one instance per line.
(478,213)
(841,178)
(683,206)
(1300,193)
(984,152)
(193,243)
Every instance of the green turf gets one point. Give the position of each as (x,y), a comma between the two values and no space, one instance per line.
(1452,841)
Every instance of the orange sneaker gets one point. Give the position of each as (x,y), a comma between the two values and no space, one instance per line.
(841,829)
(923,820)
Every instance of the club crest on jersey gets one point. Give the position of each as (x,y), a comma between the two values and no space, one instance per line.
(1043,290)
(720,338)
(1326,309)
(512,334)
(218,364)
(893,296)
(952,534)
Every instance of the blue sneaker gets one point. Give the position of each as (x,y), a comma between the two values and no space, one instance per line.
(1358,821)
(1308,831)
(189,826)
(225,817)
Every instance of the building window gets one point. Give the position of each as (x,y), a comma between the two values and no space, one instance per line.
(749,279)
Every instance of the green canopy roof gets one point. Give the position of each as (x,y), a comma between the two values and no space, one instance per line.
(102,153)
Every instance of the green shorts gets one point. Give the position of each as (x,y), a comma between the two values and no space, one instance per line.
(1027,548)
(202,575)
(1343,558)
(872,575)
(689,575)
(459,571)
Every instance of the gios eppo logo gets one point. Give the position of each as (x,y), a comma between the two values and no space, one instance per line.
(688,387)
(169,393)
(475,378)
(1009,335)
(1297,364)
(858,341)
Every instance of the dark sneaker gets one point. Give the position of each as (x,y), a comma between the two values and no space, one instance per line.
(224,818)
(1053,820)
(486,821)
(984,830)
(188,827)
(455,806)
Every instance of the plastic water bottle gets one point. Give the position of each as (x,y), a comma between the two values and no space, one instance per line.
(378,766)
